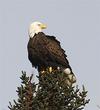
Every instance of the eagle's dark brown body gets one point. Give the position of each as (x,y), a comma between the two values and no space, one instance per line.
(45,51)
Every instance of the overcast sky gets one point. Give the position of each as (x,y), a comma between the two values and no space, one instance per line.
(75,23)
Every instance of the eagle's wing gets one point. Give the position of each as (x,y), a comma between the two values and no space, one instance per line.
(51,47)
(56,51)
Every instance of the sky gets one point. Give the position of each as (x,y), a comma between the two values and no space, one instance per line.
(75,23)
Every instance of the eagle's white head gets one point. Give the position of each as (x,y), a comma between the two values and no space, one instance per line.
(35,28)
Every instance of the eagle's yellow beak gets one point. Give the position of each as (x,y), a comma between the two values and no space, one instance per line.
(43,26)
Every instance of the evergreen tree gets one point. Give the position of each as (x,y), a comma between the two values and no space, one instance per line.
(52,93)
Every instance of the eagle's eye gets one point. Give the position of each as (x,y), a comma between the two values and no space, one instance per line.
(39,24)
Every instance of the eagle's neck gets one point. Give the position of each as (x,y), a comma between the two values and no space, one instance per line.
(33,32)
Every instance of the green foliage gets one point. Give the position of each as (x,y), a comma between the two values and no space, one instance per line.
(25,94)
(52,93)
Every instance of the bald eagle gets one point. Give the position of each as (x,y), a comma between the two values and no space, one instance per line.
(45,51)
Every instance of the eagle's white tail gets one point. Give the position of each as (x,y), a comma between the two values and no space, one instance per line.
(71,77)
